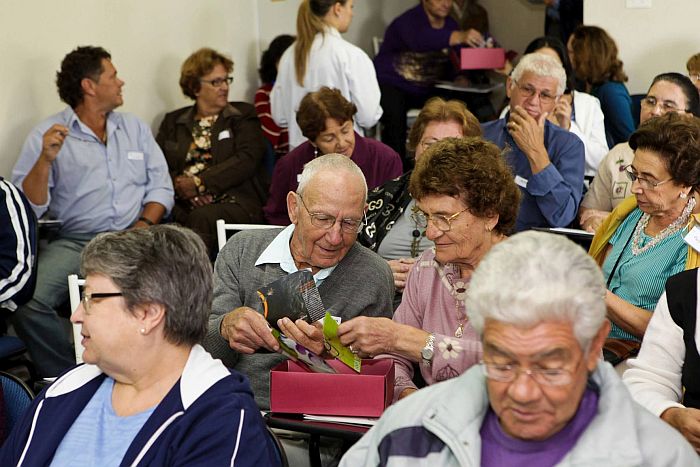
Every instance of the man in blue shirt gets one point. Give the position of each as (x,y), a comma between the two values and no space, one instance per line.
(547,161)
(95,170)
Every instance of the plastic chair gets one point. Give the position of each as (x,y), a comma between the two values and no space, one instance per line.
(74,285)
(16,396)
(222,227)
(282,455)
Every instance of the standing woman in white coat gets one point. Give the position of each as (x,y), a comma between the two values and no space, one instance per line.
(321,57)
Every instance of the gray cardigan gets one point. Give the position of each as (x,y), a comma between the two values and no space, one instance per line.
(361,284)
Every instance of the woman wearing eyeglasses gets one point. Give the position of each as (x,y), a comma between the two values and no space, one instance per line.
(669,92)
(214,150)
(326,119)
(640,245)
(466,202)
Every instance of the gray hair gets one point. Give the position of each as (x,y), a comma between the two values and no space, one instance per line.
(331,162)
(164,264)
(543,66)
(534,277)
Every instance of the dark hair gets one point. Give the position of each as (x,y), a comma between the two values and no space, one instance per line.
(676,139)
(199,64)
(309,23)
(270,58)
(440,110)
(473,169)
(595,56)
(82,62)
(555,44)
(317,106)
(164,264)
(692,98)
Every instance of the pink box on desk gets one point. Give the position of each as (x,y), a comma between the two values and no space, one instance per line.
(482,58)
(294,389)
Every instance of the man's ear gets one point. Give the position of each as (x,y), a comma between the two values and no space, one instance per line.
(292,206)
(88,86)
(509,83)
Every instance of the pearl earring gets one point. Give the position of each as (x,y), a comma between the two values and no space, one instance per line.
(683,195)
(143,330)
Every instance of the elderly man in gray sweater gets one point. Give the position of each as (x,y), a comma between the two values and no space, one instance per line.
(326,213)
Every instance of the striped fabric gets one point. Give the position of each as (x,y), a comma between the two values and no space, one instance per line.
(640,279)
(17,247)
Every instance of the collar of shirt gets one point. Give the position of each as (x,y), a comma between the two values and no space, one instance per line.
(80,130)
(278,252)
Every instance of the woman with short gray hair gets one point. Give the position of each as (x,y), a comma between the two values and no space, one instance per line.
(148,393)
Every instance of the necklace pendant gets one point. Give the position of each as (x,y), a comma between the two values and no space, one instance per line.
(459,331)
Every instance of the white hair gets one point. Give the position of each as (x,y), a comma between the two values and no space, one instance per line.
(334,163)
(534,277)
(543,66)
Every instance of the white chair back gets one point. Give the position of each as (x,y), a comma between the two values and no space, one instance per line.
(74,285)
(222,227)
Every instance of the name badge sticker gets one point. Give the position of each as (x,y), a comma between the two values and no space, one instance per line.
(225,134)
(693,238)
(134,155)
(520,181)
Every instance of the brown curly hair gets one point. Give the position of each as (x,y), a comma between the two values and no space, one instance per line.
(199,64)
(676,139)
(476,171)
(440,110)
(595,56)
(317,106)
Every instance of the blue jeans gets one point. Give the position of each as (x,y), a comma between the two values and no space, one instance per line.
(37,322)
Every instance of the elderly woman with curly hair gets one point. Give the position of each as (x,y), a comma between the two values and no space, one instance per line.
(640,245)
(467,201)
(214,150)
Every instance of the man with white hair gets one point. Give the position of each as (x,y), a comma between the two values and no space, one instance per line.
(327,212)
(542,395)
(547,161)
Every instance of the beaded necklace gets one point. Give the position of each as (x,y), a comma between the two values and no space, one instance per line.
(674,227)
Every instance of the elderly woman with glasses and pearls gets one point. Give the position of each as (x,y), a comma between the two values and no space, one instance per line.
(148,393)
(641,244)
(467,201)
(214,150)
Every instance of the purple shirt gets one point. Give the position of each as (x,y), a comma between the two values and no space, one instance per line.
(499,449)
(410,32)
(377,161)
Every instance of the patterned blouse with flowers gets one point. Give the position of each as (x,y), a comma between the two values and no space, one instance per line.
(433,300)
(199,156)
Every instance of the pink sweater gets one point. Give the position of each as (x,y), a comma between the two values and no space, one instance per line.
(428,303)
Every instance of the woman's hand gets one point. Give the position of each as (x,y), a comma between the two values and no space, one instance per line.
(185,187)
(686,421)
(591,219)
(400,268)
(470,37)
(561,116)
(406,392)
(369,336)
(201,200)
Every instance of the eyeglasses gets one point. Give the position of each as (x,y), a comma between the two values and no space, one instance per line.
(218,82)
(645,183)
(544,376)
(530,91)
(326,221)
(650,102)
(89,297)
(444,223)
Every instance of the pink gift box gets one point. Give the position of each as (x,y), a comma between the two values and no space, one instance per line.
(482,58)
(294,389)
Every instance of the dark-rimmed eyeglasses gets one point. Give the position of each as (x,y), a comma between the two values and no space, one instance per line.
(218,82)
(326,221)
(444,223)
(89,297)
(645,183)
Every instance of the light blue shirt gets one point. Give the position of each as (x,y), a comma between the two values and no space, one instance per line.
(95,187)
(99,436)
(278,252)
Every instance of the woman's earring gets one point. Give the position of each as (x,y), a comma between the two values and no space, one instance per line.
(143,330)
(683,195)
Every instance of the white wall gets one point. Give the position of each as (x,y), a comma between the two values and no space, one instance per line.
(651,41)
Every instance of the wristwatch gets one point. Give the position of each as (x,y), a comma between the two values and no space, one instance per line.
(427,352)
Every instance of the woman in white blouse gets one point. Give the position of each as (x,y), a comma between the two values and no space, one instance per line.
(321,57)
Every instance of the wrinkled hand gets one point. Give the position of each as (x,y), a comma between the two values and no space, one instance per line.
(185,187)
(201,200)
(561,116)
(308,335)
(406,392)
(369,336)
(687,421)
(528,134)
(52,141)
(400,268)
(246,331)
(591,219)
